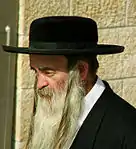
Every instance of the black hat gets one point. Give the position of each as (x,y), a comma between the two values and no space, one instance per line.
(64,35)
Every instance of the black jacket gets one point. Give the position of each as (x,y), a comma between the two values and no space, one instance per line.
(111,124)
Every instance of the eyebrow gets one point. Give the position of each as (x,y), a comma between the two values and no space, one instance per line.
(43,68)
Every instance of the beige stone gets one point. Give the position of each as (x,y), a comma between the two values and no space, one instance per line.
(123,64)
(129,65)
(23,41)
(24,108)
(110,66)
(21,23)
(109,35)
(19,145)
(129,90)
(131,12)
(35,9)
(124,36)
(106,12)
(127,37)
(25,76)
(117,86)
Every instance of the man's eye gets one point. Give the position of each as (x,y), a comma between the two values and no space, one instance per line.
(49,73)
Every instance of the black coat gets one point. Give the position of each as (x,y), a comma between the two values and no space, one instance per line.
(111,124)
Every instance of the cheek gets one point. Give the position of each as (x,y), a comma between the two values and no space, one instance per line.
(59,81)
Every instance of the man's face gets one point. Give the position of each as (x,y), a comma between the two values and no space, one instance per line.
(51,71)
(59,94)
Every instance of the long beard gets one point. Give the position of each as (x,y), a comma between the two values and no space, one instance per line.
(57,113)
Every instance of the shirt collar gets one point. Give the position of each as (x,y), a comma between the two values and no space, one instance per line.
(90,99)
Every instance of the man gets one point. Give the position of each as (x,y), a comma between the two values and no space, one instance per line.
(74,108)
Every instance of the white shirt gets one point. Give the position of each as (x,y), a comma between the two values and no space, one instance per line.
(88,103)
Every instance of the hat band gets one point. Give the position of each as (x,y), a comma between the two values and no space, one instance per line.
(62,45)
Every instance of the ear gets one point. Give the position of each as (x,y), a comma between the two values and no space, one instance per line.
(83,69)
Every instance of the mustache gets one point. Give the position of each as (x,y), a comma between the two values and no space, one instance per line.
(50,92)
(45,92)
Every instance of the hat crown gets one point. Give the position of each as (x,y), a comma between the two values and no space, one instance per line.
(63,29)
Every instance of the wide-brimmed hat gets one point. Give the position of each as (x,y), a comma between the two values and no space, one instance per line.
(64,35)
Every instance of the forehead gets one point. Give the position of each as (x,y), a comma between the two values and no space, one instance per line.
(48,60)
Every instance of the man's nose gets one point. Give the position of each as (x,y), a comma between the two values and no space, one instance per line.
(41,82)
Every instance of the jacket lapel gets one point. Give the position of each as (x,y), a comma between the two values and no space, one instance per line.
(87,134)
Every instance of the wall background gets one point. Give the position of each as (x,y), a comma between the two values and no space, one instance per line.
(117,25)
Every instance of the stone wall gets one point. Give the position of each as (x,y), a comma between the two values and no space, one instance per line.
(117,25)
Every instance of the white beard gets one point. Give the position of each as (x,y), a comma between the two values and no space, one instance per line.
(55,121)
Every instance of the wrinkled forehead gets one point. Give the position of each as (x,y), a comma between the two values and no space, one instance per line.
(37,60)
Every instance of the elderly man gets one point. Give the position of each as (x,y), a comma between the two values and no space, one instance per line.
(74,108)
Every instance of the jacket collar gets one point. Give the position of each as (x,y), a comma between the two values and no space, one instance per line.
(87,134)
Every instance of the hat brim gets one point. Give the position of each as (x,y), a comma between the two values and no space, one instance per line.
(98,49)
